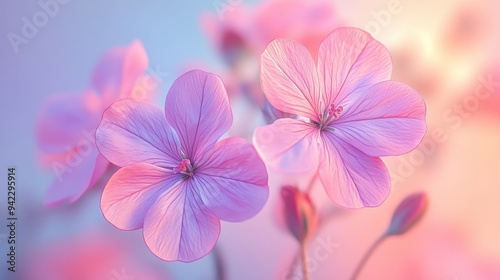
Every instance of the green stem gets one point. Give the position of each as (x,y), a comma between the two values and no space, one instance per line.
(367,255)
(219,263)
(303,257)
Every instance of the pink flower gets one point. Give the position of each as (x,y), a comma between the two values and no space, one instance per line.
(176,180)
(66,123)
(351,114)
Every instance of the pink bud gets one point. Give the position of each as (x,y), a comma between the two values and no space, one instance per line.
(300,214)
(408,213)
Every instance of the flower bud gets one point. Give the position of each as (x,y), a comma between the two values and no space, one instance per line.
(299,212)
(408,213)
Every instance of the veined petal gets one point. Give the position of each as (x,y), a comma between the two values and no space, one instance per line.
(289,80)
(118,70)
(232,181)
(388,120)
(133,131)
(131,191)
(197,107)
(288,145)
(179,227)
(351,178)
(349,60)
(65,120)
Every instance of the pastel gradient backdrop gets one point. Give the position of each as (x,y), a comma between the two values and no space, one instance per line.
(447,50)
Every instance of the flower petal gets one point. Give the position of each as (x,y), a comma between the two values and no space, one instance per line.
(73,177)
(101,165)
(131,192)
(289,80)
(179,227)
(351,178)
(118,70)
(65,120)
(388,121)
(232,182)
(134,131)
(350,59)
(288,145)
(197,107)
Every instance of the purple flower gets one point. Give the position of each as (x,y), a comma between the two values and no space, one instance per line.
(177,181)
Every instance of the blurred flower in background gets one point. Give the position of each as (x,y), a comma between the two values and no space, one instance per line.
(241,33)
(66,124)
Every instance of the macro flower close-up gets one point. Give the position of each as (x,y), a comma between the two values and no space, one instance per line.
(176,180)
(250,140)
(350,112)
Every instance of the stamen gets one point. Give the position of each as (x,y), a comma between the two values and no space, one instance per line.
(331,114)
(184,167)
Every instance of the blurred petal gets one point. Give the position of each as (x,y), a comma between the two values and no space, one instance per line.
(197,107)
(289,80)
(73,177)
(134,131)
(179,227)
(388,121)
(131,192)
(349,60)
(288,145)
(101,165)
(118,70)
(232,182)
(351,178)
(64,120)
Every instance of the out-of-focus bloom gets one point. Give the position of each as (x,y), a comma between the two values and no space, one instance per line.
(408,213)
(89,256)
(350,114)
(66,124)
(300,214)
(241,33)
(177,182)
(245,28)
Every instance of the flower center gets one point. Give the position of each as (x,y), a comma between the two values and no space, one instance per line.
(184,167)
(331,114)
